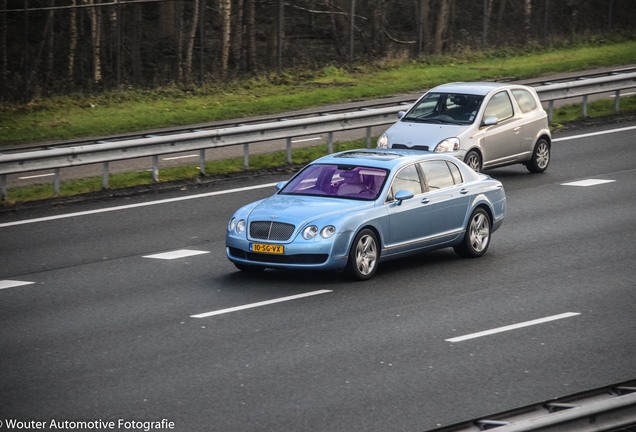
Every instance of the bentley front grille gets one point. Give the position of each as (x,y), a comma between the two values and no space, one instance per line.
(266,230)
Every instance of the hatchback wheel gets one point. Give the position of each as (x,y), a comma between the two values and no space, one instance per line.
(477,236)
(540,157)
(363,257)
(473,160)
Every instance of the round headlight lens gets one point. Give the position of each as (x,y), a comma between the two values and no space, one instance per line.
(231,224)
(383,141)
(447,145)
(310,232)
(328,231)
(240,226)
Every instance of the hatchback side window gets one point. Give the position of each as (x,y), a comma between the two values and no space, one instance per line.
(438,174)
(525,100)
(407,179)
(499,106)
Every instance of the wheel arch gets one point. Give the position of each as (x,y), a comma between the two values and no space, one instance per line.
(546,137)
(371,227)
(482,204)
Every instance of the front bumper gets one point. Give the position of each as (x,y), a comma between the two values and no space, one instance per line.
(316,254)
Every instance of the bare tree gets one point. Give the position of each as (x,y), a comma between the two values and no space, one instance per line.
(226,33)
(4,64)
(135,46)
(96,39)
(527,16)
(191,39)
(73,37)
(442,26)
(423,9)
(279,32)
(250,28)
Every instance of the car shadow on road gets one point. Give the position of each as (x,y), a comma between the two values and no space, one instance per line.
(440,261)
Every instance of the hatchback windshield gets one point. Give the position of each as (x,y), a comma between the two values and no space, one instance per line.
(453,108)
(346,181)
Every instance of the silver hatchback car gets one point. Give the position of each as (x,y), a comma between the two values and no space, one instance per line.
(484,124)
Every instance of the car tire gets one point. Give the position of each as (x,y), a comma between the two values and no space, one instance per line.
(540,157)
(363,256)
(477,236)
(249,268)
(473,160)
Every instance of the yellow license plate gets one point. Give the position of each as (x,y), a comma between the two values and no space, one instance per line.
(267,248)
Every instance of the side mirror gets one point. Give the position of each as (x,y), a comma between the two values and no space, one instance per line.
(401,114)
(402,195)
(490,121)
(280,185)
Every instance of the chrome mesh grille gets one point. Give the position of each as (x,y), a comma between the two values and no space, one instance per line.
(266,230)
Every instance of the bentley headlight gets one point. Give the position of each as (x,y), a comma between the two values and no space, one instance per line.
(310,232)
(328,231)
(447,145)
(240,226)
(231,224)
(383,141)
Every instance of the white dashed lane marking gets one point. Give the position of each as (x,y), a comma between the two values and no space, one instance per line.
(513,327)
(263,303)
(182,253)
(13,283)
(588,182)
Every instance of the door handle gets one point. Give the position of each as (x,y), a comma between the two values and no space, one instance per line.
(517,129)
(464,191)
(425,201)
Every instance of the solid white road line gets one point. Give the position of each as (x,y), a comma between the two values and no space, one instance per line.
(306,139)
(180,157)
(513,327)
(593,134)
(13,283)
(130,206)
(36,176)
(263,303)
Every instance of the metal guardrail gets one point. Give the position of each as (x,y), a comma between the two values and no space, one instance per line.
(154,146)
(607,409)
(586,87)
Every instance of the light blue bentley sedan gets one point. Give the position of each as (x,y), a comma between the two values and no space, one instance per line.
(354,209)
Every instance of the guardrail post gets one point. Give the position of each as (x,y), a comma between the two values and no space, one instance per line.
(368,137)
(56,181)
(105,176)
(617,101)
(550,111)
(155,168)
(202,162)
(246,156)
(584,108)
(330,143)
(3,188)
(289,150)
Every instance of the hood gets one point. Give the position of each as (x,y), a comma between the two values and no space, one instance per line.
(300,210)
(425,134)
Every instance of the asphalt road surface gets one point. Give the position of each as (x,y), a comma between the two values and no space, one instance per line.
(127,311)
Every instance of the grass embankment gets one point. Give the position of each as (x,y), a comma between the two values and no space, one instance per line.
(135,110)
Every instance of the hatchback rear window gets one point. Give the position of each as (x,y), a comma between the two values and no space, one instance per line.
(525,100)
